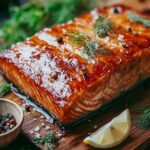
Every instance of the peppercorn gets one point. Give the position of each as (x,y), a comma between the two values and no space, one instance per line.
(116,10)
(7,122)
(59,39)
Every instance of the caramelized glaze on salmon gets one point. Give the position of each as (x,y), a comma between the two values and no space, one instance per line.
(55,73)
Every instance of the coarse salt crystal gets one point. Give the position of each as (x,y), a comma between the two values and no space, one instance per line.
(37,129)
(37,135)
(42,117)
(120,37)
(95,14)
(47,127)
(31,132)
(43,124)
(95,126)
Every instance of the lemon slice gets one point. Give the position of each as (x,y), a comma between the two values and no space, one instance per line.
(111,134)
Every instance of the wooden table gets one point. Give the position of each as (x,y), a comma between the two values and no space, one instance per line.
(72,138)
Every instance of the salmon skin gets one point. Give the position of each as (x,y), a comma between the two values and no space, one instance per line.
(72,70)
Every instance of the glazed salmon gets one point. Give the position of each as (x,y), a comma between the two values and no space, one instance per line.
(74,68)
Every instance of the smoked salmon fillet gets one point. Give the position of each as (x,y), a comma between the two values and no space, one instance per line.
(74,68)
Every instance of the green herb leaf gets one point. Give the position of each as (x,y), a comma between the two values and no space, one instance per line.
(77,38)
(102,26)
(87,46)
(5,88)
(48,141)
(91,48)
(143,119)
(139,19)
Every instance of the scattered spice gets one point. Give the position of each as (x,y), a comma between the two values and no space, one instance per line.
(7,122)
(117,10)
(47,127)
(28,108)
(59,39)
(95,126)
(85,74)
(37,129)
(130,29)
(42,117)
(54,75)
(125,45)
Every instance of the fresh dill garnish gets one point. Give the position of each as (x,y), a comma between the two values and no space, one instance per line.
(143,119)
(103,26)
(5,88)
(139,19)
(91,48)
(48,141)
(87,46)
(77,38)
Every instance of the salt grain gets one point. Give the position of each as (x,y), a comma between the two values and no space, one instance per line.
(37,135)
(47,127)
(42,117)
(31,132)
(35,119)
(37,129)
(95,126)
(43,124)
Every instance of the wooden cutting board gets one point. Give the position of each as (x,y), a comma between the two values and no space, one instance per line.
(71,139)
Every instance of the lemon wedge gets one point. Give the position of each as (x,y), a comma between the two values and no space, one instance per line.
(111,134)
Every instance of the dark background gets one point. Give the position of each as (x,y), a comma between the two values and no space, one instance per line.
(22,142)
(4,8)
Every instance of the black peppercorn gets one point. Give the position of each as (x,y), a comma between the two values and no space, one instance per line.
(54,75)
(125,45)
(7,122)
(59,39)
(28,108)
(85,74)
(129,29)
(116,10)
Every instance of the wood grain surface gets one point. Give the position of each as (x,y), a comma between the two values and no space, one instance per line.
(72,138)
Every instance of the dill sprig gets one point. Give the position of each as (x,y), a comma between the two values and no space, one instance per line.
(139,19)
(103,26)
(87,46)
(91,48)
(77,38)
(143,119)
(5,88)
(48,141)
